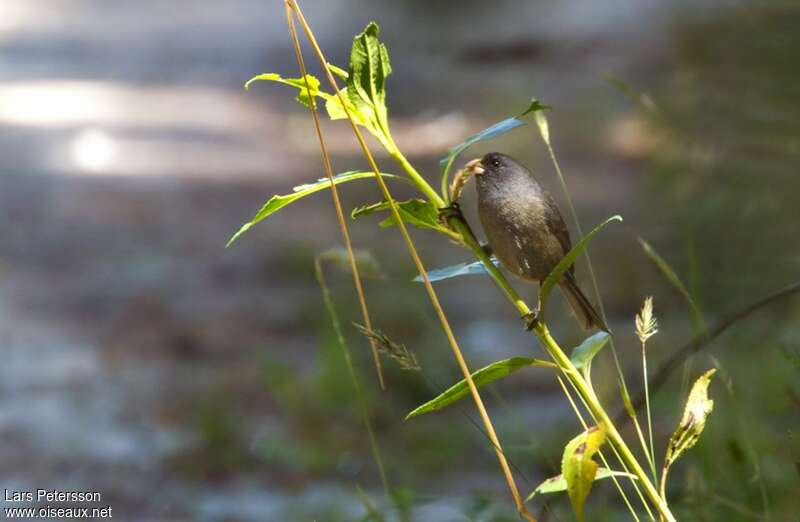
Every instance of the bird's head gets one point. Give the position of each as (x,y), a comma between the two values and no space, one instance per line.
(492,164)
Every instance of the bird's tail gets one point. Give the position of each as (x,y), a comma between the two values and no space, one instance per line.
(584,311)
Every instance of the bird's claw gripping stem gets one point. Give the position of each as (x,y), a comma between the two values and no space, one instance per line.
(531,319)
(453,210)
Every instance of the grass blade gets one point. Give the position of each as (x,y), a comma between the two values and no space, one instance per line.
(672,277)
(555,275)
(483,376)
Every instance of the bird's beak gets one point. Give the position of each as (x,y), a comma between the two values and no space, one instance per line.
(475,166)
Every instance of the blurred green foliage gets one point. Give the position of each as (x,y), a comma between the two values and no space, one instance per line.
(727,164)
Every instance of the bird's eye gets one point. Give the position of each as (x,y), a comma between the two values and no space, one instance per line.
(495,162)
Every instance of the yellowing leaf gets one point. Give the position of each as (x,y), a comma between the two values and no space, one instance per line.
(306,91)
(698,408)
(578,468)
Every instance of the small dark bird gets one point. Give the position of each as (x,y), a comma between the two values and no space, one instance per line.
(525,229)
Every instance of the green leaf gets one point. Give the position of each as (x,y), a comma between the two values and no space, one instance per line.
(488,133)
(583,354)
(483,376)
(698,408)
(578,468)
(418,212)
(369,68)
(461,269)
(559,483)
(277,202)
(673,278)
(333,104)
(364,93)
(555,275)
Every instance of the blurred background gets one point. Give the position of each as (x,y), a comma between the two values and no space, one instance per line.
(184,381)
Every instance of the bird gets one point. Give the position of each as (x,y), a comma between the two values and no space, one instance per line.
(525,229)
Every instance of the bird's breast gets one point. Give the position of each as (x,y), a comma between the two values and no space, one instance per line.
(518,233)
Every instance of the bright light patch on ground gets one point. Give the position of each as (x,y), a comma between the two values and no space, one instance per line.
(93,150)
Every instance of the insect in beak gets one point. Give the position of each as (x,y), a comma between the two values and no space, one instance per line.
(475,166)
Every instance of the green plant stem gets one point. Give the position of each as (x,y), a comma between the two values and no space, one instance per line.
(417,178)
(652,456)
(600,413)
(551,346)
(646,451)
(634,483)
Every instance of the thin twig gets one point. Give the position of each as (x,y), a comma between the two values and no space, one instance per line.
(312,105)
(701,341)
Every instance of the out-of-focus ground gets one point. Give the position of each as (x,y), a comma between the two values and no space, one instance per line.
(184,381)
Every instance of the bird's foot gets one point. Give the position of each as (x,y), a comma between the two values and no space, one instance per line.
(450,211)
(531,319)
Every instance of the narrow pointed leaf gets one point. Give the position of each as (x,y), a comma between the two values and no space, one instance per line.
(698,408)
(461,269)
(559,483)
(585,352)
(555,275)
(578,467)
(488,133)
(674,279)
(483,376)
(277,202)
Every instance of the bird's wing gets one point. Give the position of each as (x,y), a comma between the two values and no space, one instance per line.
(555,223)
